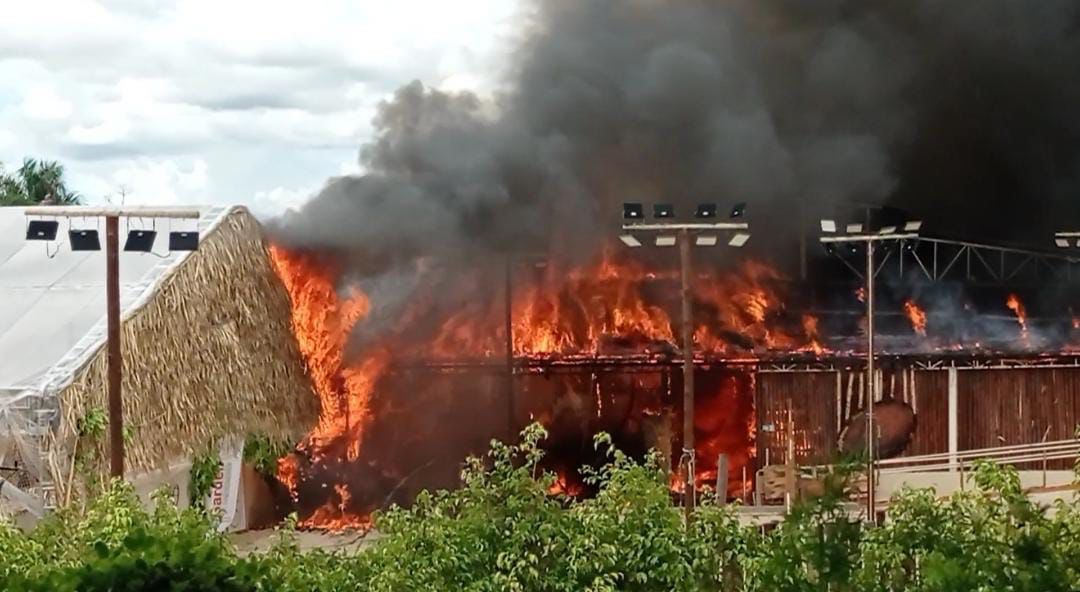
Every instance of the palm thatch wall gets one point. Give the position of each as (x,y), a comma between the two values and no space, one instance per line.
(212,354)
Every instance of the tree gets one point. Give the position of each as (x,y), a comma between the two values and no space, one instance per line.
(36,182)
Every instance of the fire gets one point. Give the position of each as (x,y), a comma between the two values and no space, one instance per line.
(917,316)
(369,442)
(1014,304)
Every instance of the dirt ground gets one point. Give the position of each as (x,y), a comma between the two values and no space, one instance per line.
(258,541)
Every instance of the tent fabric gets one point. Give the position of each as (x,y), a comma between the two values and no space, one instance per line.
(53,314)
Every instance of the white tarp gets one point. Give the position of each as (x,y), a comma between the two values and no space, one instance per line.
(52,310)
(53,297)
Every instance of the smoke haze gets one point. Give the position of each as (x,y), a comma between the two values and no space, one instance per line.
(966,113)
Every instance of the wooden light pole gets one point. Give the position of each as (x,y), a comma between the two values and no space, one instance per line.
(114,355)
(669,234)
(909,231)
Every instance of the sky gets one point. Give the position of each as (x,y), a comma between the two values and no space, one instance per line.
(226,101)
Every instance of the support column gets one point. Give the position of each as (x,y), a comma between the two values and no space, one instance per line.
(954,418)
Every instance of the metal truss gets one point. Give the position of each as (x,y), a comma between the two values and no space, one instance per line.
(944,260)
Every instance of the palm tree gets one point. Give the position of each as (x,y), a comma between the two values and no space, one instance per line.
(36,182)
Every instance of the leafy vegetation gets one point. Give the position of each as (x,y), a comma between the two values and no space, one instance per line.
(502,530)
(36,182)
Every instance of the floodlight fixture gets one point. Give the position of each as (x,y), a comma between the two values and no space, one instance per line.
(738,210)
(633,211)
(855,228)
(913,226)
(84,240)
(1062,242)
(739,239)
(140,241)
(828,225)
(42,230)
(183,241)
(663,211)
(1078,243)
(887,230)
(630,240)
(705,211)
(665,241)
(706,240)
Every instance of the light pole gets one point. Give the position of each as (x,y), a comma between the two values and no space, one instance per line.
(87,240)
(859,234)
(668,233)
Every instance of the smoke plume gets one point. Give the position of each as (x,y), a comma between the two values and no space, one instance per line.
(964,113)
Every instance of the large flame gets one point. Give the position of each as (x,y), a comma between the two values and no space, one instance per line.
(917,316)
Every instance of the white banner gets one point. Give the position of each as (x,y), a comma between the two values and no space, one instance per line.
(225,494)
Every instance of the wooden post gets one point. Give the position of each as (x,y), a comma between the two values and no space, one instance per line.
(508,294)
(115,361)
(688,371)
(721,478)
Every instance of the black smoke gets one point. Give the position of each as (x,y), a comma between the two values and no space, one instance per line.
(965,113)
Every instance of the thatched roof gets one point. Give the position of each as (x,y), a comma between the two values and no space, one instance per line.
(210,354)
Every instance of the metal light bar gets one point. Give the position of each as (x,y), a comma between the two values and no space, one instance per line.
(706,240)
(862,238)
(688,226)
(93,212)
(630,240)
(665,241)
(1067,234)
(739,239)
(828,225)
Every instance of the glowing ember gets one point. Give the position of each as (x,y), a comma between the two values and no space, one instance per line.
(917,316)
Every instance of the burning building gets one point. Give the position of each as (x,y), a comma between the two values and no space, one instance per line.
(469,282)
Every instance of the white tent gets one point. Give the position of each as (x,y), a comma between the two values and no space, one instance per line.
(52,314)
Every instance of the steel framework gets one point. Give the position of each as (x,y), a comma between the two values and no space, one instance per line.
(939,259)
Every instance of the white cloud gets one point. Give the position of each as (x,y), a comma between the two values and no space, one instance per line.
(225,100)
(42,102)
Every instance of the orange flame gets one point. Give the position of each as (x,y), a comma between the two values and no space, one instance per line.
(1014,304)
(917,316)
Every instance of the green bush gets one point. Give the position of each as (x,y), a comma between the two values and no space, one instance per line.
(502,530)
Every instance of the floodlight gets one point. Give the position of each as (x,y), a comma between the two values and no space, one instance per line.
(1062,242)
(739,239)
(887,230)
(633,211)
(42,230)
(828,225)
(84,240)
(1078,243)
(854,228)
(140,241)
(913,226)
(663,211)
(630,240)
(183,241)
(705,211)
(705,240)
(738,210)
(665,241)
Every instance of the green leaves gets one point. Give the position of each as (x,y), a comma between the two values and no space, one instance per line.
(502,530)
(35,182)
